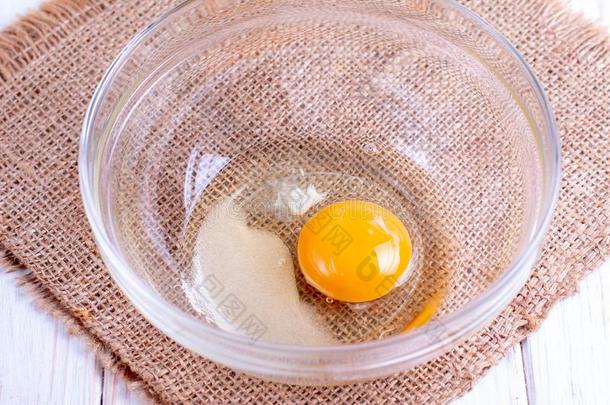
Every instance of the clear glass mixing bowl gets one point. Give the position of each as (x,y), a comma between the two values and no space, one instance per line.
(418,105)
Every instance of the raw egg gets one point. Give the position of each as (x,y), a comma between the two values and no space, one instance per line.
(354,251)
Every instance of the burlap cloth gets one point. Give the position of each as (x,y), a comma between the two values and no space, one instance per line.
(50,63)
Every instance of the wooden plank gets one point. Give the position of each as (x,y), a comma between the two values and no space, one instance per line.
(116,392)
(568,359)
(565,362)
(597,11)
(10,9)
(504,384)
(39,362)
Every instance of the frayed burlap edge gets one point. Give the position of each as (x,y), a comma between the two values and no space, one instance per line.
(44,300)
(32,35)
(28,39)
(20,44)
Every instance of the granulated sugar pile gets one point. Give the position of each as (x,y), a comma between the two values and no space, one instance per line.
(255,269)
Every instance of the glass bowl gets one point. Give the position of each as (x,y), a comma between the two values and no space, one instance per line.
(419,106)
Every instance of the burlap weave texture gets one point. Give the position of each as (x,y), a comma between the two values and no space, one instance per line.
(49,66)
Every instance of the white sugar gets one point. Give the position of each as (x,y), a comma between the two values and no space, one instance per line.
(245,279)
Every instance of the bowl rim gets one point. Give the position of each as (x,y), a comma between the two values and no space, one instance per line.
(183,327)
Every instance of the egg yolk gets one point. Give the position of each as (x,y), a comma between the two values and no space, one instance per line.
(354,251)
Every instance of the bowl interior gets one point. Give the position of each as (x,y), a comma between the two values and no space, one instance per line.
(404,106)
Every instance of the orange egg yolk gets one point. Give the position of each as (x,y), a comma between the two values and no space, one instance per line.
(354,251)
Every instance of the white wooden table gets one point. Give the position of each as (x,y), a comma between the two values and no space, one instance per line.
(567,361)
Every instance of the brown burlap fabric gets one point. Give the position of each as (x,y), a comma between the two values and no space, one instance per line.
(49,65)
